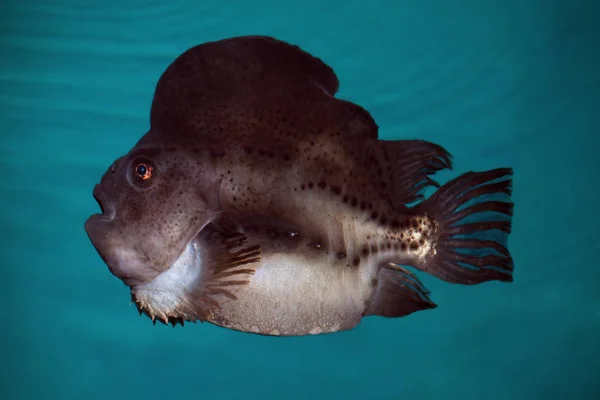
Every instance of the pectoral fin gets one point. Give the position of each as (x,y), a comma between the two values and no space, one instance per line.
(212,269)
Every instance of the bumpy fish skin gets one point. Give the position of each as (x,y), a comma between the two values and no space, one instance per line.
(272,207)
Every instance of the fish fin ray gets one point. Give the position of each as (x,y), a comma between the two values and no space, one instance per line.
(408,165)
(228,263)
(468,246)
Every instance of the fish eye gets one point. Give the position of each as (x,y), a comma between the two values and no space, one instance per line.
(143,172)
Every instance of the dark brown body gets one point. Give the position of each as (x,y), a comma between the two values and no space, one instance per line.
(277,208)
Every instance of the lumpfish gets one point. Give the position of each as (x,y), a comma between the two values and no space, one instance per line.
(260,202)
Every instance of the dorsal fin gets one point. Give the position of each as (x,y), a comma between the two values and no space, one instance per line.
(251,78)
(404,167)
(246,65)
(356,121)
(267,55)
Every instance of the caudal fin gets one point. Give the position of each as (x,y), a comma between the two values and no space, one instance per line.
(474,216)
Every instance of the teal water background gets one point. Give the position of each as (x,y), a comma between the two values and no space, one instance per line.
(497,82)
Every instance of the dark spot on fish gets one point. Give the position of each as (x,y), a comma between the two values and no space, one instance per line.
(356,261)
(383,220)
(403,246)
(310,185)
(374,215)
(340,255)
(271,233)
(336,190)
(414,245)
(322,185)
(354,202)
(365,251)
(363,205)
(303,186)
(374,248)
(345,199)
(374,282)
(395,224)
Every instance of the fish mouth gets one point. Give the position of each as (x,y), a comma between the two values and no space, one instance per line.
(107,209)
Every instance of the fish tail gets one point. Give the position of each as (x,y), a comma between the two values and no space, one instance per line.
(472,218)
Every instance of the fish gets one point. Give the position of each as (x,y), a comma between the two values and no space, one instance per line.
(260,202)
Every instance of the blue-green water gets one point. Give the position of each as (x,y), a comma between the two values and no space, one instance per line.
(498,82)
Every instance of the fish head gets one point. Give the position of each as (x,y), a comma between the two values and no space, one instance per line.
(153,201)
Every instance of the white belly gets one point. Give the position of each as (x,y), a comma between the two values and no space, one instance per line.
(291,295)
